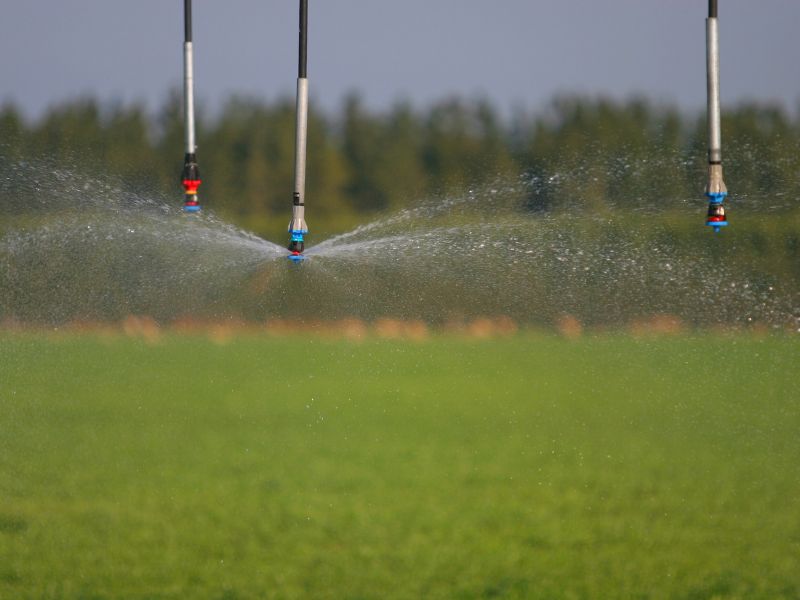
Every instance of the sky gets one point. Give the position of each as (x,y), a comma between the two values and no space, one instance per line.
(516,53)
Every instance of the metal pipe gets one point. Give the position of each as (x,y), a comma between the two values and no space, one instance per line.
(188,79)
(300,143)
(187,20)
(302,68)
(188,97)
(714,116)
(297,226)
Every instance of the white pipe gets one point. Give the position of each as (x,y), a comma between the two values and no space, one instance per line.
(298,223)
(188,97)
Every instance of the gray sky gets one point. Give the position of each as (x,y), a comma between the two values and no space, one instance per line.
(515,52)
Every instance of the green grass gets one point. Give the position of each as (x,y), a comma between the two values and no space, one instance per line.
(530,467)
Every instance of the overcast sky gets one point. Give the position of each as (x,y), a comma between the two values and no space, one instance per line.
(515,52)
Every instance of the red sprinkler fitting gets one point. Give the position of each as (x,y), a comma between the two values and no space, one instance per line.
(190,185)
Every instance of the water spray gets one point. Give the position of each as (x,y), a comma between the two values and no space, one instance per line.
(190,177)
(715,188)
(297,226)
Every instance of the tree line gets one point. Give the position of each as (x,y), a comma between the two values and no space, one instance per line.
(590,154)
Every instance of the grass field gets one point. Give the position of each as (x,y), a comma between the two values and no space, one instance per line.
(527,467)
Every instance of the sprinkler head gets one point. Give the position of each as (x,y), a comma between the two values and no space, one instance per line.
(190,202)
(191,206)
(190,179)
(296,246)
(716,217)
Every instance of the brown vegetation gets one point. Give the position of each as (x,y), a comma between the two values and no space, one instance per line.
(224,331)
(657,325)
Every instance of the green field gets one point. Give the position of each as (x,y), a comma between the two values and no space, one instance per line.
(529,467)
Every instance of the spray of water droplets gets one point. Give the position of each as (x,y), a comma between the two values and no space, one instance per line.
(84,248)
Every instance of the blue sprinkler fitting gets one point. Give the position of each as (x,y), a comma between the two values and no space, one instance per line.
(716,211)
(296,246)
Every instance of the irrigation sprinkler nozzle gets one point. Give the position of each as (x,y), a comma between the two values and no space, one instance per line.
(297,243)
(716,193)
(716,212)
(190,178)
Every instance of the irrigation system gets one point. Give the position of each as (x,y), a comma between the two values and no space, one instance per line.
(715,189)
(297,226)
(190,176)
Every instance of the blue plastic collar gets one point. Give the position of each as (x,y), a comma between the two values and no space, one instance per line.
(716,198)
